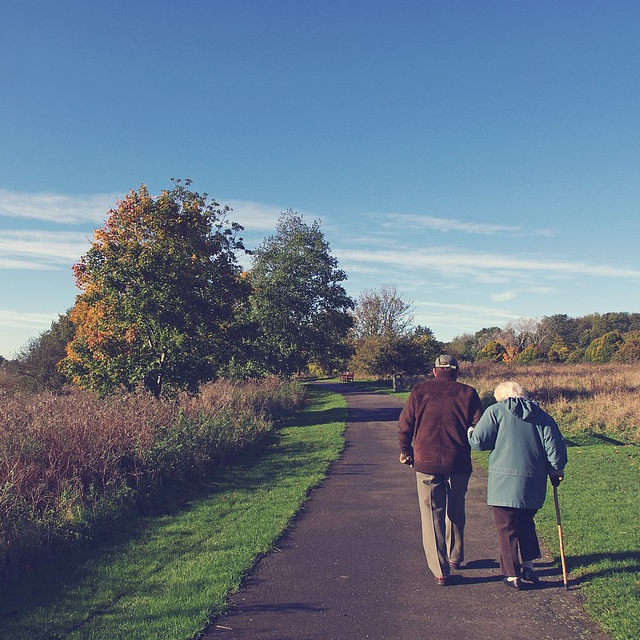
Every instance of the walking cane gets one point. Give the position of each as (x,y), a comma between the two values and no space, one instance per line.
(562,558)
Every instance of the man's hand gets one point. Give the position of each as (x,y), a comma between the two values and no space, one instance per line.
(406,458)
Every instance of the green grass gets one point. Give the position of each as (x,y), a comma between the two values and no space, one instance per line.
(600,510)
(164,577)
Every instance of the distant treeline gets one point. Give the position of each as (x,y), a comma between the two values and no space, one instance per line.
(607,337)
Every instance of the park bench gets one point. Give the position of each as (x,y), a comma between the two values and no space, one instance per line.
(347,376)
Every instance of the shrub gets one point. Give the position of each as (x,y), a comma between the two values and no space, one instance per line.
(66,460)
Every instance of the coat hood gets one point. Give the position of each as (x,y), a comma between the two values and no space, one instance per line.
(524,409)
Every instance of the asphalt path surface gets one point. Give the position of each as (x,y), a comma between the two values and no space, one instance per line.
(352,565)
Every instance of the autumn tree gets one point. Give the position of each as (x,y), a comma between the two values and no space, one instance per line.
(384,339)
(160,285)
(298,305)
(492,351)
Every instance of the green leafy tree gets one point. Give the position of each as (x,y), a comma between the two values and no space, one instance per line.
(37,363)
(428,349)
(629,350)
(462,346)
(528,355)
(603,349)
(160,287)
(558,351)
(298,305)
(493,351)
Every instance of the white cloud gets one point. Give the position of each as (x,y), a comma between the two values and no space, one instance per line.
(41,249)
(19,320)
(450,224)
(466,309)
(455,261)
(504,296)
(53,207)
(254,216)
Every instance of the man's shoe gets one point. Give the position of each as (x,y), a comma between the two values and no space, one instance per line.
(443,582)
(530,575)
(513,584)
(455,565)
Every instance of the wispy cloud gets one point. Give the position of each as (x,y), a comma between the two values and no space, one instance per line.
(255,216)
(19,320)
(57,208)
(455,319)
(510,294)
(41,249)
(450,224)
(466,309)
(504,296)
(456,261)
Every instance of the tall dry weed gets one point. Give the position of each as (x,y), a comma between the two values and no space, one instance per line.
(64,459)
(599,399)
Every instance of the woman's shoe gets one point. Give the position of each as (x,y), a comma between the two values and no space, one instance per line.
(530,575)
(513,584)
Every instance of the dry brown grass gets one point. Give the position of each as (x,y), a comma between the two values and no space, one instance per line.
(594,398)
(66,458)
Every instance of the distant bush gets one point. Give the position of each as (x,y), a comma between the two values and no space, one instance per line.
(66,460)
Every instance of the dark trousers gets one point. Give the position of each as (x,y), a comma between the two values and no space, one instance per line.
(516,531)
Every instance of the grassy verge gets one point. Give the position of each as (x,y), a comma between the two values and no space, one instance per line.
(164,577)
(599,504)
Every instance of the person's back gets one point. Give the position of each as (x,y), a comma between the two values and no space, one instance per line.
(432,433)
(441,411)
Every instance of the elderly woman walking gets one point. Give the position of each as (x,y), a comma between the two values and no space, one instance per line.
(526,446)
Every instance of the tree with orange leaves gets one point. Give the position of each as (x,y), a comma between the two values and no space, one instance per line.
(160,286)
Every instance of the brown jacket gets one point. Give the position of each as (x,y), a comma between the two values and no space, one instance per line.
(433,425)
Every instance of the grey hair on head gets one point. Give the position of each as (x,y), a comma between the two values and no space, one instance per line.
(509,389)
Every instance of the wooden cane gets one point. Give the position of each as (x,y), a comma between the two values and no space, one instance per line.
(562,558)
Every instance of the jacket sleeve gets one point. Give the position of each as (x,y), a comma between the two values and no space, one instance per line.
(477,410)
(554,444)
(406,426)
(483,437)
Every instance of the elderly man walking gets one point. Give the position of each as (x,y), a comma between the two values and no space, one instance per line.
(432,432)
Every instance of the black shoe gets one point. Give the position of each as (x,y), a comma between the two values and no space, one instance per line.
(513,584)
(530,575)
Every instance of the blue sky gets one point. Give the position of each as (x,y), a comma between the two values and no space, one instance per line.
(482,156)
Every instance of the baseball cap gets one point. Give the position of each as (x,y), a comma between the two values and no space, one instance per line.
(446,362)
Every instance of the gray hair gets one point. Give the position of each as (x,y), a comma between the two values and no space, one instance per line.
(509,389)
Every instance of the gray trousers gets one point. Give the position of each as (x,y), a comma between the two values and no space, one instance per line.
(442,510)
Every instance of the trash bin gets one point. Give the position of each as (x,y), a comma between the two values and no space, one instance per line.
(398,382)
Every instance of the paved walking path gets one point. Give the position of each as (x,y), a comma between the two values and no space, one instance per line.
(353,568)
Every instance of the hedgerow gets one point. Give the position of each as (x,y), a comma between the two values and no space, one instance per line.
(67,461)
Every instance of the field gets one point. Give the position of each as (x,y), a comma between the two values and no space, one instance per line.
(590,402)
(597,407)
